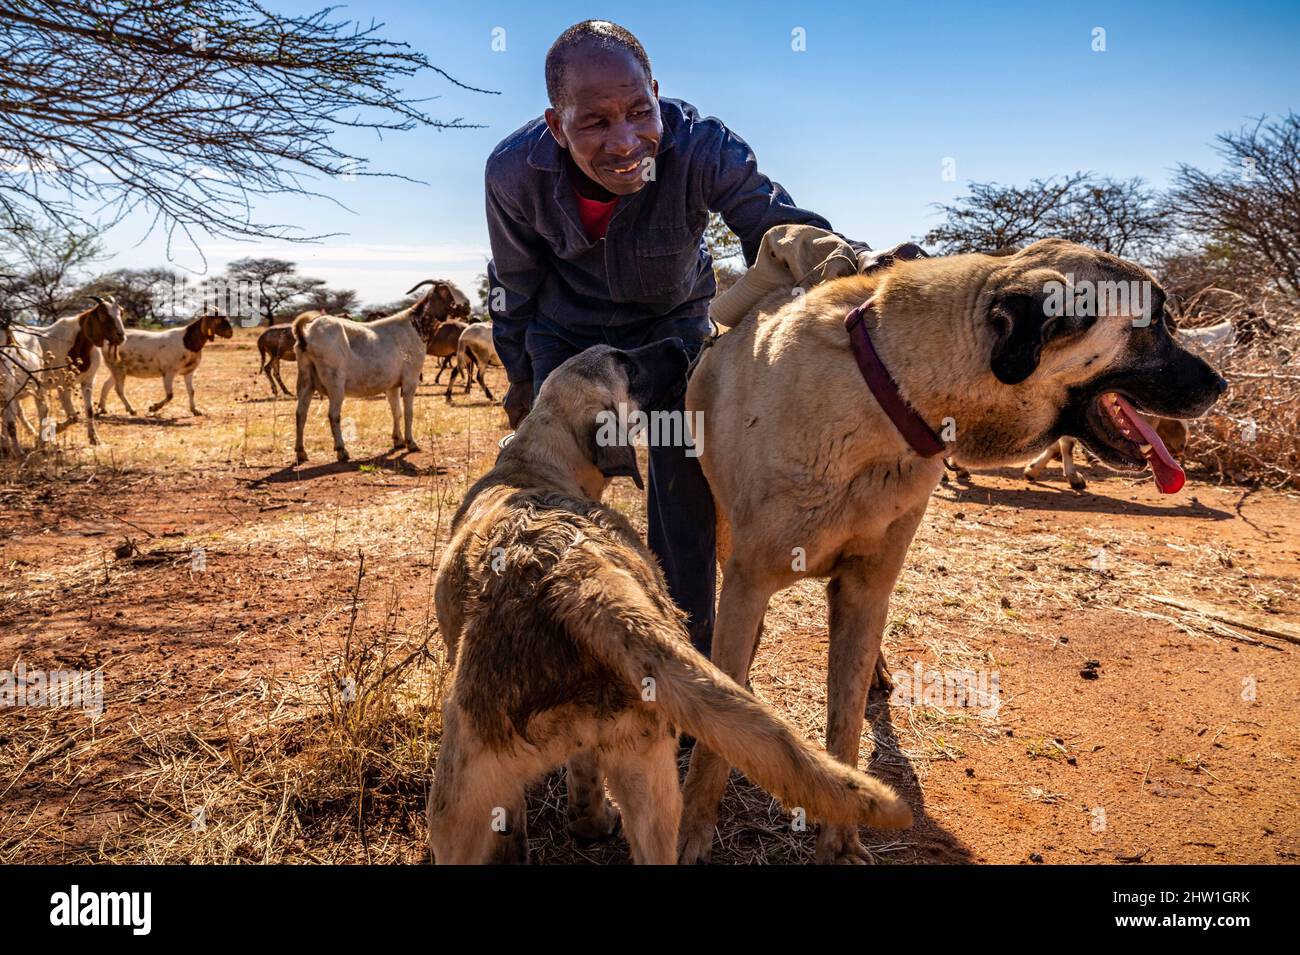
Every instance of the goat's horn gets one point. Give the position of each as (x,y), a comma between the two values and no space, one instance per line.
(422,284)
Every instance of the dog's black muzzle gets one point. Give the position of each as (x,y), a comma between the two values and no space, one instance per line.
(657,374)
(1171,382)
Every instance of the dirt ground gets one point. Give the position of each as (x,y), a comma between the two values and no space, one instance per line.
(271,666)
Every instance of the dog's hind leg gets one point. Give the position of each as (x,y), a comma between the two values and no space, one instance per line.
(475,809)
(591,817)
(644,781)
(1067,465)
(1034,470)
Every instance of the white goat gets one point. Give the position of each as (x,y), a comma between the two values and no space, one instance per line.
(35,361)
(474,354)
(166,354)
(342,357)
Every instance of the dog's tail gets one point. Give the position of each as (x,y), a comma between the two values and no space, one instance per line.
(616,621)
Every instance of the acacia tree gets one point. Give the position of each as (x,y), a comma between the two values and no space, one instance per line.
(43,263)
(188,110)
(332,301)
(277,282)
(1123,217)
(142,293)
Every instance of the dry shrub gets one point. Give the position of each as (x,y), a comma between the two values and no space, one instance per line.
(1252,436)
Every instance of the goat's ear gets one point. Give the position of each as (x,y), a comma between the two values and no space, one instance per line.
(611,453)
(1022,325)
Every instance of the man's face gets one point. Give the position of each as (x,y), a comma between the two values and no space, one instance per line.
(610,121)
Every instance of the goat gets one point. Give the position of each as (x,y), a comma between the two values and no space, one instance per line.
(176,351)
(276,345)
(1227,334)
(474,352)
(64,353)
(346,358)
(443,344)
(1212,338)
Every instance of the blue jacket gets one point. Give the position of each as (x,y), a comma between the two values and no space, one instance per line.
(652,264)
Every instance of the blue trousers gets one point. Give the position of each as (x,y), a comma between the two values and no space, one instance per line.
(679,504)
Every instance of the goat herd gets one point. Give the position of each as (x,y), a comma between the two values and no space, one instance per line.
(336,357)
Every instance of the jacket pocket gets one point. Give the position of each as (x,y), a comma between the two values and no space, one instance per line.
(666,258)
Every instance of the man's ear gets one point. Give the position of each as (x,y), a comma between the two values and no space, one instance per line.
(1021,328)
(552,117)
(614,459)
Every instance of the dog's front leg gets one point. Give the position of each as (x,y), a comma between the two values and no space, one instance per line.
(858,595)
(741,608)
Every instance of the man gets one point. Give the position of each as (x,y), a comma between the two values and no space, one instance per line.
(596,213)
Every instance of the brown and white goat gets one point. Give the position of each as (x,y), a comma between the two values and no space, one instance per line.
(37,360)
(165,354)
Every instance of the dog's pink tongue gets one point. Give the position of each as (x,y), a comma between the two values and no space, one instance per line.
(1169,475)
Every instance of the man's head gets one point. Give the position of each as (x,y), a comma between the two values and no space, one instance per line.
(604,104)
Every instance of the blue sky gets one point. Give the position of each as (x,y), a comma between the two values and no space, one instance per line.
(857,125)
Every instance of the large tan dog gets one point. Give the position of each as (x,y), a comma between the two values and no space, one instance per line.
(811,478)
(566,646)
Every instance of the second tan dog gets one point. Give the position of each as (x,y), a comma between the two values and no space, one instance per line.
(567,648)
(812,478)
(1172,432)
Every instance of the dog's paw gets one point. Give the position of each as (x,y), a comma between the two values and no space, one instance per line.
(840,845)
(880,679)
(595,826)
(695,841)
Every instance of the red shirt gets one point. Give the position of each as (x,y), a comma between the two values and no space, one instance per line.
(595,215)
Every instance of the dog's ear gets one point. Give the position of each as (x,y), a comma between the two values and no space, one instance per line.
(1024,322)
(1018,325)
(613,458)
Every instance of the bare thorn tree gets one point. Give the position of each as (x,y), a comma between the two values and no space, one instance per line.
(188,110)
(1123,217)
(1250,211)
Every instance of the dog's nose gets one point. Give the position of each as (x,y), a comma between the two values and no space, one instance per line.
(1222,383)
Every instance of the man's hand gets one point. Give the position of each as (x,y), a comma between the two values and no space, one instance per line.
(518,401)
(870,261)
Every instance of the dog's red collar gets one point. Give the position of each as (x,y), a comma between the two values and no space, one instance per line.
(909,424)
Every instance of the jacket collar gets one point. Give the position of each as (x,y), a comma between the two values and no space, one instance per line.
(545,154)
